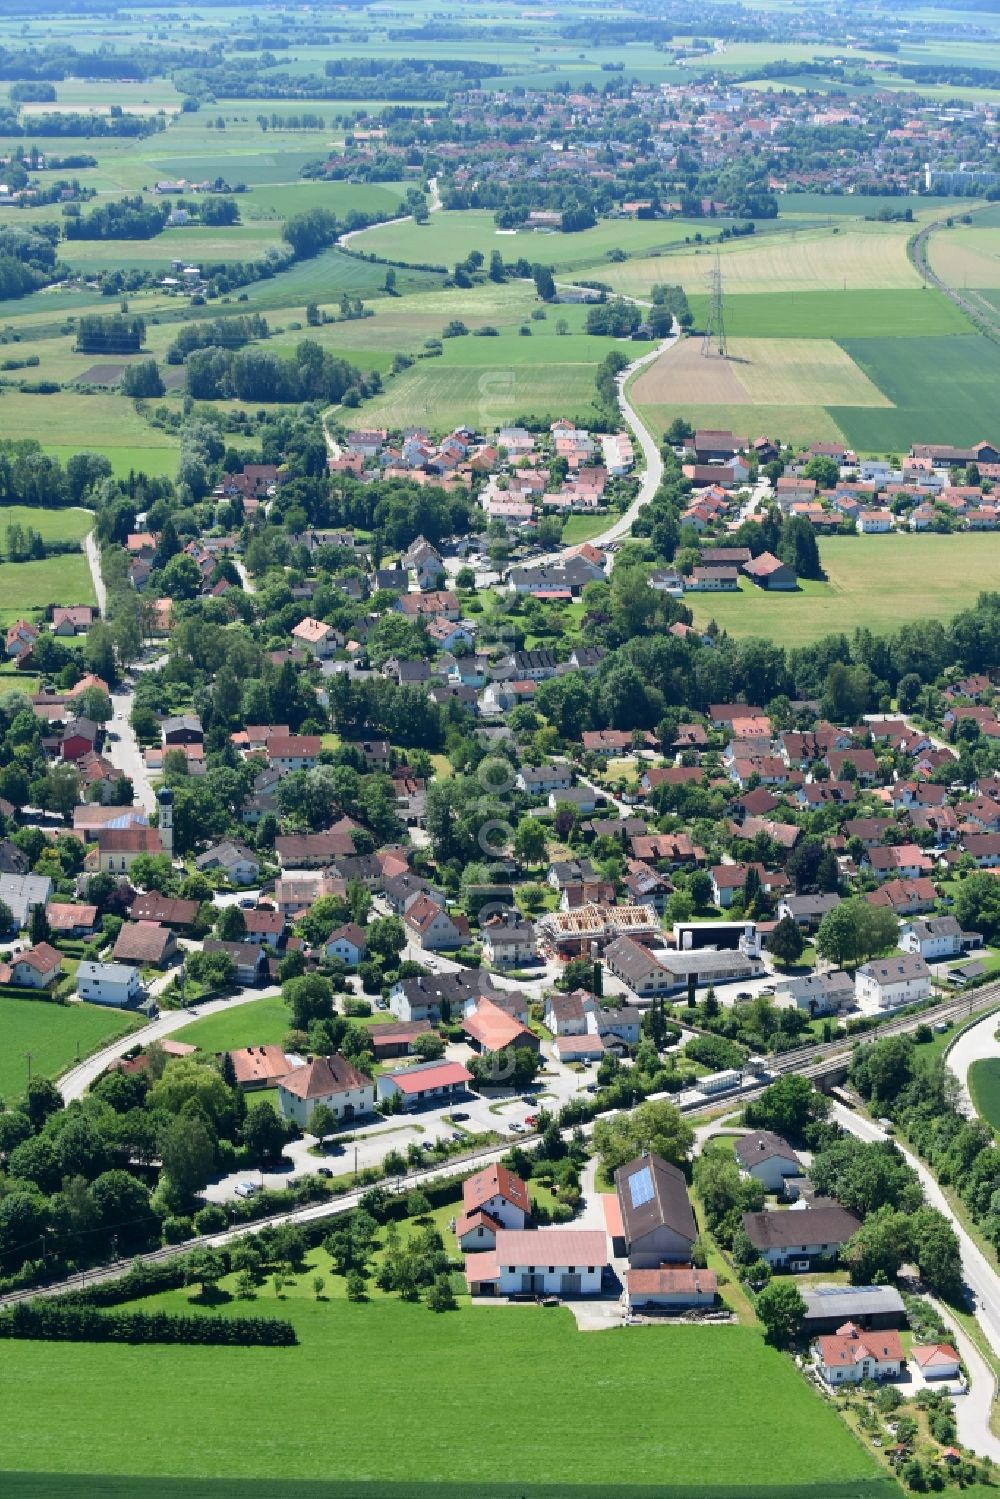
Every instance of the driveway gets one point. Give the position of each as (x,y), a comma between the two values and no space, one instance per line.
(125,754)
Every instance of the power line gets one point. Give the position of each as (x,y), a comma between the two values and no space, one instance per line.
(714,341)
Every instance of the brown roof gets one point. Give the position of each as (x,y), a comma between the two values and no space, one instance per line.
(42,958)
(167,909)
(323,1076)
(821,1225)
(495,1181)
(258,1064)
(671,1280)
(63,916)
(128,840)
(663,1201)
(290,746)
(143,942)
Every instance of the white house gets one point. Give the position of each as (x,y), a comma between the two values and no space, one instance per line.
(427,1082)
(888,983)
(492,1199)
(347,943)
(431,926)
(508,941)
(793,1240)
(542,1262)
(238,862)
(332,1081)
(115,984)
(767,1158)
(849,1355)
(874,522)
(544,778)
(39,968)
(933,939)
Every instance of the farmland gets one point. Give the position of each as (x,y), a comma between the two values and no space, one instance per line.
(774,372)
(55,1035)
(984,1085)
(859,258)
(967,256)
(944,389)
(871,583)
(51,525)
(837,314)
(748,1447)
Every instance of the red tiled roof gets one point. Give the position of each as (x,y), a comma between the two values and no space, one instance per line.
(495,1181)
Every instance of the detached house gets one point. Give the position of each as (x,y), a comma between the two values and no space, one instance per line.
(432,927)
(849,1355)
(493,1199)
(332,1081)
(793,1240)
(767,1158)
(888,983)
(319,637)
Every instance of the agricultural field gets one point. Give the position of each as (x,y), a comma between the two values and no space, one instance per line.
(262,1022)
(55,1035)
(984,1085)
(967,256)
(945,389)
(837,314)
(872,582)
(769,372)
(785,1443)
(68,423)
(863,257)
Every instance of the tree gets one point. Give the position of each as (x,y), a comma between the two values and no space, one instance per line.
(187,1151)
(937,1252)
(882,1070)
(787,1107)
(41,1100)
(440,1296)
(232,924)
(322,1122)
(264,1134)
(787,942)
(657,1127)
(977,905)
(204,1265)
(545,286)
(875,1253)
(386,937)
(855,930)
(780,1308)
(529,841)
(309,998)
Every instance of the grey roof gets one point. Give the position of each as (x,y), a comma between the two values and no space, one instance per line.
(809,905)
(112,973)
(762,1145)
(820,986)
(23,891)
(821,1225)
(707,962)
(653,1194)
(849,1302)
(938,926)
(894,970)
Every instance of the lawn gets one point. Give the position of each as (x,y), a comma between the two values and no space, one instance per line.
(262,1022)
(984,1085)
(945,389)
(872,582)
(355,1372)
(51,525)
(54,1034)
(68,423)
(582,527)
(29,587)
(450,236)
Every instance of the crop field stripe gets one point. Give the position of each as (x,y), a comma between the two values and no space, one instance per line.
(105,1486)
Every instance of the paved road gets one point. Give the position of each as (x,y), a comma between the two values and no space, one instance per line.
(124,752)
(94,562)
(979,1040)
(75,1082)
(980,1277)
(652,475)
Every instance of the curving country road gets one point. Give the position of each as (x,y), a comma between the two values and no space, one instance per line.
(975,1042)
(972,1410)
(74,1083)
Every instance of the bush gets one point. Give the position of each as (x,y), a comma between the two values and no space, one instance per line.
(176,1230)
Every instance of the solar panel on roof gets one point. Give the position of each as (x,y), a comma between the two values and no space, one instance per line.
(640,1187)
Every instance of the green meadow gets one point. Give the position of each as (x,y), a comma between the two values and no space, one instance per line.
(672,1414)
(55,1035)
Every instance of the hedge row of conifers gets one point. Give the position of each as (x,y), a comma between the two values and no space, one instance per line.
(67,1322)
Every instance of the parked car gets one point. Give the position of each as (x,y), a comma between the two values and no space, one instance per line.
(246,1189)
(517,1129)
(323,1171)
